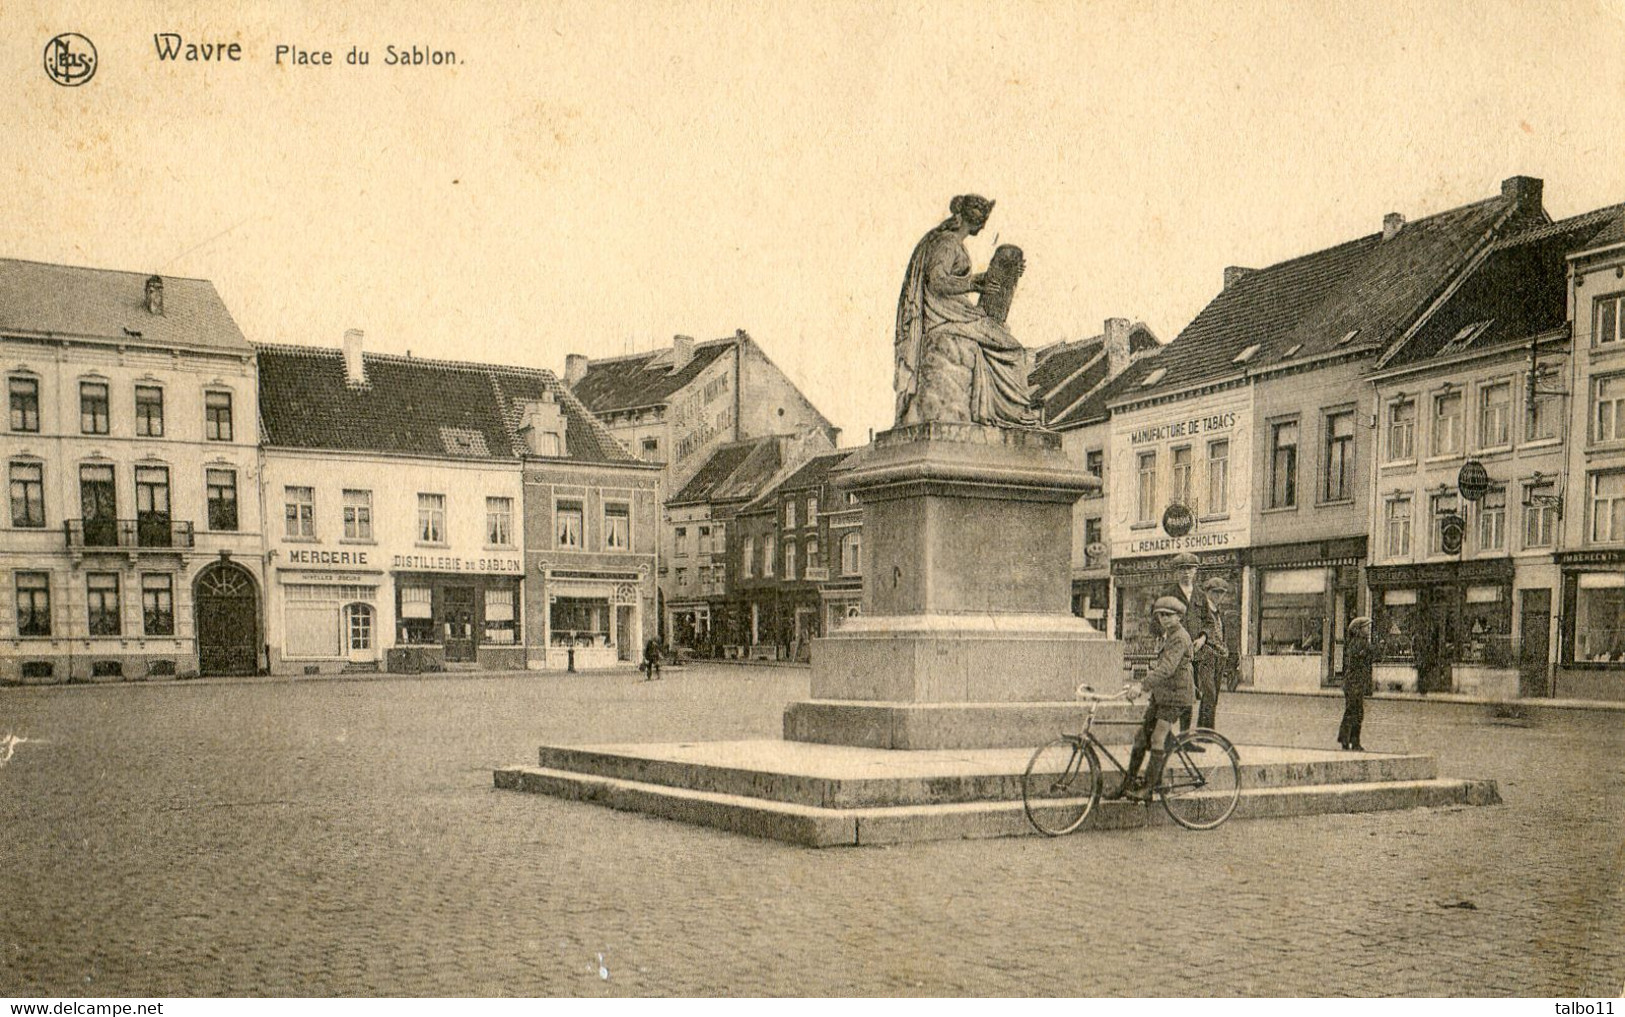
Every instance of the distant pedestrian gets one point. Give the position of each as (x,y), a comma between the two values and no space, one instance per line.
(1356,683)
(651,660)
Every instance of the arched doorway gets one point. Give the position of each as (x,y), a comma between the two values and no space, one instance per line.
(228,612)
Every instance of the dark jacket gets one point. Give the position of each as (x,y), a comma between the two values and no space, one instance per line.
(1170,679)
(1357,666)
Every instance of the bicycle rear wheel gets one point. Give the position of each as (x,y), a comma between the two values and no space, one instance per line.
(1061,786)
(1200,789)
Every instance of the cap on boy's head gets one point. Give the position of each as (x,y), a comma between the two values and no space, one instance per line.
(1168,605)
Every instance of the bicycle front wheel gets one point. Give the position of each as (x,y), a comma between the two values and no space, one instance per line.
(1061,786)
(1201,781)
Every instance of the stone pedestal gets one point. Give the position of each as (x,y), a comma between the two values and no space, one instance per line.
(967,637)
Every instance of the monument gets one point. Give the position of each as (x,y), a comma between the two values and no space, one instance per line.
(967,523)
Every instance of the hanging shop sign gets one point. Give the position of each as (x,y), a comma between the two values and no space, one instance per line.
(1177,520)
(1473,481)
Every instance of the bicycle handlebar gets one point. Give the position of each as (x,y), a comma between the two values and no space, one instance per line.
(1086,693)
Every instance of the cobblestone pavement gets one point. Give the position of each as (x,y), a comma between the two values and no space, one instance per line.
(343,838)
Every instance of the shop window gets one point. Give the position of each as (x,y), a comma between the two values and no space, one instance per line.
(1218,477)
(1599,620)
(499,522)
(567,524)
(747,557)
(1292,612)
(1539,515)
(33,603)
(1447,424)
(1486,620)
(28,494)
(1146,490)
(501,619)
(1495,415)
(617,527)
(1610,321)
(1442,506)
(221,489)
(299,512)
(1284,465)
(1179,488)
(158,604)
(101,603)
(1402,430)
(1608,408)
(1397,527)
(217,416)
(357,515)
(93,414)
(851,554)
(24,393)
(1339,457)
(1607,507)
(580,621)
(415,610)
(1492,520)
(431,518)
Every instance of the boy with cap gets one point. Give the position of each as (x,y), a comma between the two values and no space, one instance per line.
(1173,691)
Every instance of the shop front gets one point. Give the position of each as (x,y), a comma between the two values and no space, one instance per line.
(1303,597)
(1140,581)
(1444,627)
(457,612)
(594,620)
(329,620)
(1591,664)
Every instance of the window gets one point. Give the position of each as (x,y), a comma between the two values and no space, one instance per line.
(1092,531)
(617,527)
(567,524)
(1492,520)
(149,411)
(33,603)
(1539,515)
(1544,416)
(1447,423)
(681,541)
(499,522)
(851,497)
(682,578)
(1339,485)
(158,604)
(812,510)
(1292,612)
(93,407)
(789,559)
(1444,506)
(1397,519)
(1218,477)
(810,551)
(1599,618)
(431,518)
(851,554)
(789,515)
(747,557)
(357,515)
(299,516)
(28,494)
(221,487)
(1146,491)
(416,615)
(1179,490)
(1608,408)
(1608,321)
(152,506)
(768,548)
(703,540)
(217,416)
(1284,465)
(24,404)
(1495,415)
(1094,461)
(1402,430)
(101,603)
(651,447)
(1607,507)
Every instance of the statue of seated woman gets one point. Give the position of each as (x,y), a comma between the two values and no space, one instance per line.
(955,360)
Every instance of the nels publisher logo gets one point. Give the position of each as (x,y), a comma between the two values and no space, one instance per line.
(70,59)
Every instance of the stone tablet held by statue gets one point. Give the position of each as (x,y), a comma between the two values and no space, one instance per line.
(999,284)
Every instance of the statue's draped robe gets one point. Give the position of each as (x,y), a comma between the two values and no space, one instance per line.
(954,363)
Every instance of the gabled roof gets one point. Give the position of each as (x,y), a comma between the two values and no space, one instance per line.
(412,406)
(97,303)
(1069,375)
(1370,287)
(1519,290)
(735,472)
(643,379)
(809,475)
(1125,386)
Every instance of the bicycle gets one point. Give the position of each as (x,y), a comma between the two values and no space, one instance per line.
(1062,783)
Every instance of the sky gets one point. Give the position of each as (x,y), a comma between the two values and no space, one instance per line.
(598,177)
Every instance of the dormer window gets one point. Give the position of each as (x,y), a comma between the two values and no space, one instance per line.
(1289,354)
(1246,354)
(1154,377)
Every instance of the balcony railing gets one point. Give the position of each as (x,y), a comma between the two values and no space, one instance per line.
(127,534)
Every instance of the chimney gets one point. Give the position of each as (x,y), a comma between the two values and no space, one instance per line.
(355,372)
(1392,223)
(1234,273)
(1526,191)
(682,351)
(155,295)
(542,425)
(575,368)
(1117,346)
